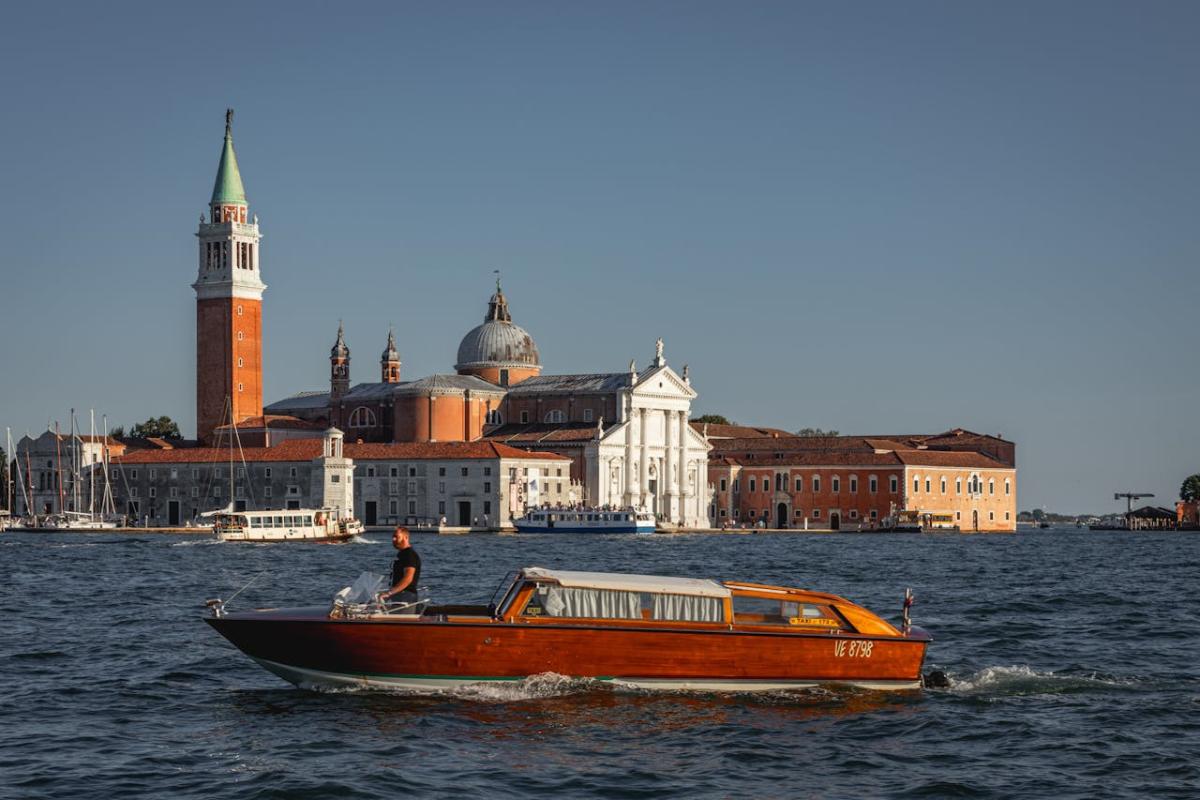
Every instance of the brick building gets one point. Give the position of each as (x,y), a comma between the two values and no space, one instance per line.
(954,479)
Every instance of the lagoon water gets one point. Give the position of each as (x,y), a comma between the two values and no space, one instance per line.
(1074,659)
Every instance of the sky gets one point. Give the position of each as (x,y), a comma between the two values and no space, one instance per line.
(879,218)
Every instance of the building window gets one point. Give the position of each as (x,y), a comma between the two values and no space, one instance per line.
(1007,490)
(174,474)
(241,387)
(153,492)
(412,487)
(524,417)
(893,484)
(874,514)
(241,362)
(487,471)
(853,485)
(466,471)
(441,487)
(854,513)
(556,415)
(362,417)
(241,490)
(737,513)
(816,513)
(216,490)
(393,485)
(991,486)
(371,472)
(412,472)
(153,474)
(737,485)
(441,472)
(172,492)
(991,515)
(196,491)
(195,474)
(837,483)
(1006,515)
(133,474)
(799,484)
(798,513)
(943,484)
(239,310)
(587,415)
(753,513)
(722,512)
(266,491)
(873,484)
(393,507)
(441,506)
(133,491)
(335,478)
(958,485)
(928,485)
(722,484)
(487,487)
(412,506)
(779,478)
(816,484)
(493,418)
(291,472)
(394,472)
(558,472)
(241,336)
(752,486)
(916,484)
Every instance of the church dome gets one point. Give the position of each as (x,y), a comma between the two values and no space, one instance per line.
(497,342)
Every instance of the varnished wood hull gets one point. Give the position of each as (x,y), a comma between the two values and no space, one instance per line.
(307,648)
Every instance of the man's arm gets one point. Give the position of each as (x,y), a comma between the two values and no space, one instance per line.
(405,582)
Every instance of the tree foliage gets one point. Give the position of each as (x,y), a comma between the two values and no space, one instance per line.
(118,432)
(815,432)
(713,419)
(159,427)
(1189,492)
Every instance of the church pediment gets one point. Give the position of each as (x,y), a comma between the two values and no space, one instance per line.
(663,382)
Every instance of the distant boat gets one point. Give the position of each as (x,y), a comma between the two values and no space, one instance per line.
(280,525)
(591,520)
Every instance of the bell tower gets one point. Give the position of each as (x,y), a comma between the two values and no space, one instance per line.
(229,292)
(389,362)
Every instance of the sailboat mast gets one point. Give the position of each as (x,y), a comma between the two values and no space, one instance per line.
(107,504)
(92,466)
(8,462)
(58,465)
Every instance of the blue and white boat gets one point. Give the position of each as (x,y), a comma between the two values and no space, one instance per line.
(589,520)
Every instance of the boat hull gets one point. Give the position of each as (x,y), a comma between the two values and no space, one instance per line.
(430,654)
(526,528)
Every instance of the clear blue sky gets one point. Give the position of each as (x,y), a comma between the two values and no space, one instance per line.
(879,218)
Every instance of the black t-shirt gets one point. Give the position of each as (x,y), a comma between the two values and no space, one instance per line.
(407,558)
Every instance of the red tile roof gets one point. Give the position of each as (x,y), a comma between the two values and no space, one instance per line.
(948,458)
(718,431)
(308,449)
(274,421)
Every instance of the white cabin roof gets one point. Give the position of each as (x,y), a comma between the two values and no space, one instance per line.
(628,583)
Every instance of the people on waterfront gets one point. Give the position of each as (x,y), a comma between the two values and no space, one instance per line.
(406,570)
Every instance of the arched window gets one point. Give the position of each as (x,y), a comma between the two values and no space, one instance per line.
(1007,487)
(555,415)
(494,418)
(958,485)
(943,484)
(991,486)
(362,417)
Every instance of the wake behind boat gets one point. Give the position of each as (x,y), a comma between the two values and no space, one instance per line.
(639,630)
(587,520)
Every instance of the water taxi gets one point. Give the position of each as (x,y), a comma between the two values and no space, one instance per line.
(637,630)
(290,525)
(591,520)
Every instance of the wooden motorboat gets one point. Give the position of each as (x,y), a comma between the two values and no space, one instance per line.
(640,630)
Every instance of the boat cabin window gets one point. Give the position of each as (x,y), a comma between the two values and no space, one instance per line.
(255,522)
(770,611)
(549,600)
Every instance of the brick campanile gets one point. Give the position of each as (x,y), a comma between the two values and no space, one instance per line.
(229,291)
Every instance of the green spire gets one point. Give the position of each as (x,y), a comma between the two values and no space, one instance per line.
(228,188)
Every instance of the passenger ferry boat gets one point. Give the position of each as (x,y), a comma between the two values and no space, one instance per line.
(591,520)
(279,525)
(638,630)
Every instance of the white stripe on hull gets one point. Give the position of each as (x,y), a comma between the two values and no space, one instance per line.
(308,677)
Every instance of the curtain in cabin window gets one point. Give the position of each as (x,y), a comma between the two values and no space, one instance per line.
(682,607)
(560,601)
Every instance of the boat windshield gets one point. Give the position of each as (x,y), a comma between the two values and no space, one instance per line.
(504,593)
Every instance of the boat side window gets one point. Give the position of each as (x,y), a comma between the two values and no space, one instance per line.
(255,522)
(308,520)
(770,611)
(561,601)
(278,522)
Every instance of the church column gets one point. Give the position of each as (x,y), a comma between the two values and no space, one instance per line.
(668,465)
(629,484)
(684,487)
(645,461)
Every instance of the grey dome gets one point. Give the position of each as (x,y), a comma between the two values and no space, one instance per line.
(497,342)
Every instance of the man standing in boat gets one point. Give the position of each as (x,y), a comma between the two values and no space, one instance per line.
(406,570)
